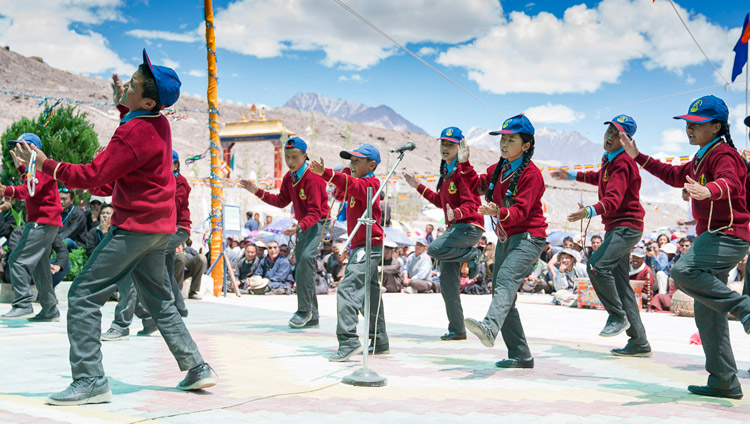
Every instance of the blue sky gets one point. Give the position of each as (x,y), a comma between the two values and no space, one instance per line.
(561,62)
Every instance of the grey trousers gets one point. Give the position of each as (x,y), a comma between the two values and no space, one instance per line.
(129,302)
(350,299)
(30,261)
(514,260)
(120,254)
(609,271)
(453,248)
(702,273)
(308,247)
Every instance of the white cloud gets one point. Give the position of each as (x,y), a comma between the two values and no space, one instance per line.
(587,47)
(737,125)
(196,73)
(552,114)
(427,51)
(271,28)
(44,28)
(673,140)
(169,63)
(352,78)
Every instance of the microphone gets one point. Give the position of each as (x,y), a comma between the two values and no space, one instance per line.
(405,148)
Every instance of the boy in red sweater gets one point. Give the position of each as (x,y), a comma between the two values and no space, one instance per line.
(619,205)
(351,291)
(138,161)
(307,193)
(30,259)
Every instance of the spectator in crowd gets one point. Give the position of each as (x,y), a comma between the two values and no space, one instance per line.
(261,252)
(684,246)
(488,260)
(428,229)
(548,253)
(7,220)
(418,271)
(689,221)
(256,217)
(250,224)
(92,214)
(552,263)
(662,240)
(284,250)
(392,279)
(188,263)
(98,232)
(536,282)
(335,264)
(640,271)
(385,219)
(737,274)
(596,241)
(658,261)
(325,249)
(189,248)
(439,232)
(233,250)
(568,269)
(73,231)
(245,266)
(277,270)
(269,220)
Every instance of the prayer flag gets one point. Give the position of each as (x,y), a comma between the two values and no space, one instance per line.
(740,49)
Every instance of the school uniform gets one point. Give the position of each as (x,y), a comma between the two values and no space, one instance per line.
(525,226)
(137,162)
(456,245)
(306,192)
(350,293)
(723,240)
(619,183)
(29,260)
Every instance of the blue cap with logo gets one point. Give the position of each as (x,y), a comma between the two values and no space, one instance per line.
(167,82)
(706,109)
(453,134)
(29,138)
(296,143)
(365,150)
(517,124)
(624,123)
(175,156)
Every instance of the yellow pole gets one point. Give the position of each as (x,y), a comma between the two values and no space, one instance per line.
(217,187)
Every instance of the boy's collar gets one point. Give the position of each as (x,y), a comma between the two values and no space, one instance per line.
(137,114)
(298,173)
(702,150)
(612,155)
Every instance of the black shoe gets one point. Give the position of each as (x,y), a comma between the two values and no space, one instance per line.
(746,323)
(515,363)
(710,391)
(300,321)
(614,327)
(381,349)
(44,317)
(81,391)
(147,330)
(199,377)
(183,312)
(481,331)
(195,296)
(344,353)
(313,323)
(643,351)
(18,313)
(453,336)
(474,266)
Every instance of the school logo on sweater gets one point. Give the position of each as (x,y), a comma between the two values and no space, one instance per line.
(702,180)
(352,203)
(606,175)
(452,188)
(302,194)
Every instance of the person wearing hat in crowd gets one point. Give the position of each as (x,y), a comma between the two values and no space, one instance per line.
(391,269)
(716,179)
(92,214)
(639,270)
(514,188)
(620,207)
(418,270)
(307,193)
(29,261)
(569,268)
(137,162)
(465,228)
(352,185)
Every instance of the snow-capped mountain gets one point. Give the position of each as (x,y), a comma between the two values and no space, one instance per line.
(381,116)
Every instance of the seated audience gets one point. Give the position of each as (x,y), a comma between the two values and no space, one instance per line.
(568,269)
(418,271)
(392,278)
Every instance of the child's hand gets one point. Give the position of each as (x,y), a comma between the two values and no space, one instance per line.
(579,214)
(629,144)
(411,180)
(22,154)
(450,215)
(560,174)
(5,205)
(249,186)
(291,230)
(463,151)
(99,150)
(488,209)
(695,190)
(117,88)
(317,167)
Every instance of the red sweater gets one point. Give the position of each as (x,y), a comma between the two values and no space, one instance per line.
(138,160)
(723,172)
(182,204)
(44,207)
(454,191)
(619,185)
(354,191)
(526,214)
(308,198)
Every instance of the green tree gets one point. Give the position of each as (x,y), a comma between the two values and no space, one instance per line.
(68,137)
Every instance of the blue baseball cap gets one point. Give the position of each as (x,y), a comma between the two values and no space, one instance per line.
(452,134)
(624,123)
(296,143)
(517,124)
(167,82)
(365,150)
(705,109)
(175,156)
(747,121)
(30,138)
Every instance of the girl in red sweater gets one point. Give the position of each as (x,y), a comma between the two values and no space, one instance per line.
(465,227)
(715,179)
(514,188)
